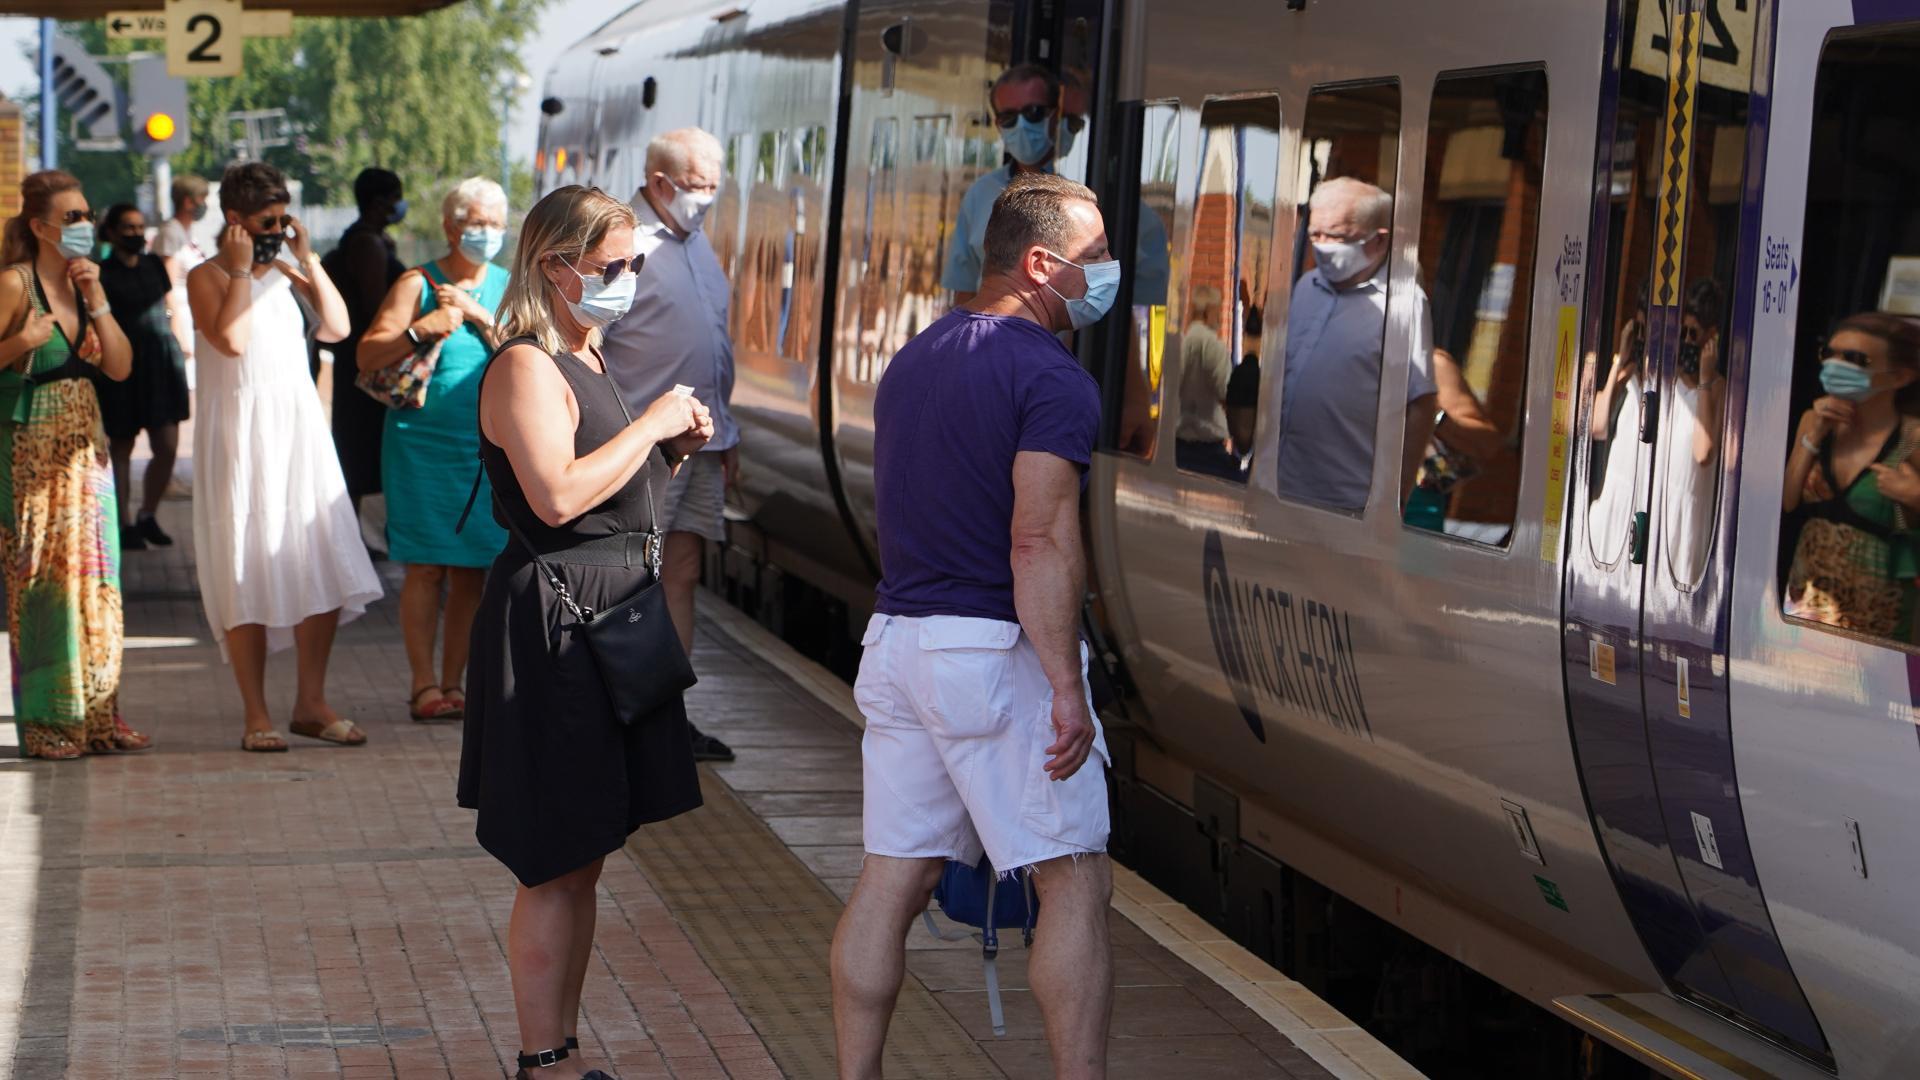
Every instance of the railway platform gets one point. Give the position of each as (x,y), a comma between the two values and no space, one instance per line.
(195,911)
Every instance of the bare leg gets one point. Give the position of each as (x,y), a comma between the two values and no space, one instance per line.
(1071,965)
(542,938)
(870,956)
(419,620)
(164,441)
(680,573)
(586,913)
(121,452)
(463,599)
(313,645)
(247,650)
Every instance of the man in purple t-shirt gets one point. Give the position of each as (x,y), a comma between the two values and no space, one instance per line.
(973,682)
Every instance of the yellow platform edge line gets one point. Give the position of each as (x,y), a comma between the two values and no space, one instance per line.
(1333,1041)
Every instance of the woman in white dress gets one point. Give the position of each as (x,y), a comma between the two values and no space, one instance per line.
(278,548)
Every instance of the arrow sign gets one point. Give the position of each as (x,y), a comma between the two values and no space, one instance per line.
(135,24)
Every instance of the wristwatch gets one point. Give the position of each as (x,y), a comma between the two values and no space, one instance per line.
(414,337)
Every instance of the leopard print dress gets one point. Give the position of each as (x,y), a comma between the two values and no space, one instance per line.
(60,555)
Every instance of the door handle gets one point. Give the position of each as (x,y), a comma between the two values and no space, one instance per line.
(1637,547)
(1649,415)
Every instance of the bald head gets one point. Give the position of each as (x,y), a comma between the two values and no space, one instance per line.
(1348,222)
(682,162)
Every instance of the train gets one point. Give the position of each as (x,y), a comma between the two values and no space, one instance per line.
(1551,698)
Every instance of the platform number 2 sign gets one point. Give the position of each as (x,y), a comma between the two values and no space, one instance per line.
(203,37)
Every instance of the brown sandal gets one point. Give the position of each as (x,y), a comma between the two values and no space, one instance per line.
(341,732)
(441,709)
(457,699)
(48,747)
(124,740)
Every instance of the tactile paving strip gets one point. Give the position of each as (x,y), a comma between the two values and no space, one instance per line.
(763,923)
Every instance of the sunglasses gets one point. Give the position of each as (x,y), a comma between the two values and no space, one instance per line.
(1851,356)
(75,217)
(1033,114)
(611,272)
(268,224)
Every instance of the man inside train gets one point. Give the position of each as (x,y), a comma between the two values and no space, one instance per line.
(676,334)
(1336,330)
(973,682)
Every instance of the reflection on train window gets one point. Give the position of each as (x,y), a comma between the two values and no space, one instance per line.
(1850,550)
(802,250)
(1337,319)
(1153,255)
(1479,226)
(1226,282)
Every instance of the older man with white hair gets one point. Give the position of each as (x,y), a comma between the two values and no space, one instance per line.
(676,335)
(1336,332)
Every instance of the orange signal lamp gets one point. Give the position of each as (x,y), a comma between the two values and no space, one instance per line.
(560,160)
(160,127)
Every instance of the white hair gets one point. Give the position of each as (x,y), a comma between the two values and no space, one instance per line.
(1372,207)
(673,152)
(474,191)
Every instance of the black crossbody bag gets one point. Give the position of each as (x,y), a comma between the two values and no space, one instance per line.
(633,643)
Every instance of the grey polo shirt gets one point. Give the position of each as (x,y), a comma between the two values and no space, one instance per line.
(677,329)
(1329,399)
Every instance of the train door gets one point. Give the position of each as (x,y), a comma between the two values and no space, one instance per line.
(1649,552)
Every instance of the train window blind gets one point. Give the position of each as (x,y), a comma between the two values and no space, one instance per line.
(1850,553)
(1479,228)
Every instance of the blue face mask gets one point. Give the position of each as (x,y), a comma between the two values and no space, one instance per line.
(1028,142)
(601,304)
(1067,135)
(1103,284)
(399,213)
(1848,382)
(481,245)
(77,240)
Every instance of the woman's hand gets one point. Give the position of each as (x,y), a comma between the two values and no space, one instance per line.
(85,275)
(458,299)
(1827,415)
(679,422)
(1901,482)
(236,251)
(298,240)
(439,323)
(38,330)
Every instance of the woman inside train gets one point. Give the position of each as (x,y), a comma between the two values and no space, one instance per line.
(1851,473)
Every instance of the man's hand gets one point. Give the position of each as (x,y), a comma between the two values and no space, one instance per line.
(1074,729)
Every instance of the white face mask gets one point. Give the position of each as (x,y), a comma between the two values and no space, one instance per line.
(1340,263)
(689,208)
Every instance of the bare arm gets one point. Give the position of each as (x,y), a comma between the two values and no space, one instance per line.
(385,341)
(25,332)
(116,352)
(1467,427)
(317,287)
(222,307)
(1816,425)
(520,400)
(1049,579)
(1414,450)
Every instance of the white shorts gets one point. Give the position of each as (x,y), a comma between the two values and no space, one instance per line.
(696,498)
(959,716)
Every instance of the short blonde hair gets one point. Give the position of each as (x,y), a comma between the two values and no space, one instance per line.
(1372,206)
(469,193)
(673,152)
(567,224)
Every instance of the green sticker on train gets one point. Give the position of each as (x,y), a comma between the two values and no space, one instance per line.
(1551,893)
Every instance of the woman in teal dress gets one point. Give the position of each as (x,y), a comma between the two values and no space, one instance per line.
(429,455)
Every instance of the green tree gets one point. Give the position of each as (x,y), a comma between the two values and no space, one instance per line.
(417,95)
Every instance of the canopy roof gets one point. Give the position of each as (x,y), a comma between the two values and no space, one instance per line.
(95,9)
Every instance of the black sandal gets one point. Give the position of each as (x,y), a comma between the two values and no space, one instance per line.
(540,1059)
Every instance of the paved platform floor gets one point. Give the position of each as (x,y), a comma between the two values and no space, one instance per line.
(197,911)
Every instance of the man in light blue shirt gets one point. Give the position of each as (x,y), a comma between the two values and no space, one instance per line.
(677,334)
(1336,330)
(1039,116)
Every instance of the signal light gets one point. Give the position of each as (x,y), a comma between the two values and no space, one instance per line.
(560,160)
(157,109)
(160,127)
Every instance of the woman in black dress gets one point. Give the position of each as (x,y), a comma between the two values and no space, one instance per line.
(558,781)
(154,398)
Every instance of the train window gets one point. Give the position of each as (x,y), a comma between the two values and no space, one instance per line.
(802,253)
(1337,319)
(1152,257)
(1850,549)
(1480,222)
(1226,280)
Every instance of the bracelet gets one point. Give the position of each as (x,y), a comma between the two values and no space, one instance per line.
(238,274)
(1809,447)
(101,312)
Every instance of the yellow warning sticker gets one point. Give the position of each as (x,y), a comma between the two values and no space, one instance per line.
(1556,506)
(1600,659)
(1685,687)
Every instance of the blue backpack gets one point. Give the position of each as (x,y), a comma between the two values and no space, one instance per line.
(972,896)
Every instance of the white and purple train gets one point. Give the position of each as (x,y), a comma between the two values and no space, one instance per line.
(1553,713)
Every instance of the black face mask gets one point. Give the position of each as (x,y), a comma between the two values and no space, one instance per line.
(131,245)
(266,247)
